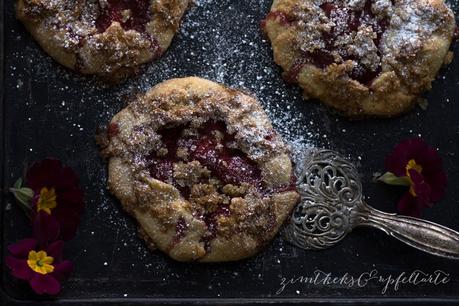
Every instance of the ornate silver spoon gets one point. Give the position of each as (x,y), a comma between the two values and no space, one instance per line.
(332,205)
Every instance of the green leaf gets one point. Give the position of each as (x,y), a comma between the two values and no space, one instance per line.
(18,183)
(391,179)
(23,196)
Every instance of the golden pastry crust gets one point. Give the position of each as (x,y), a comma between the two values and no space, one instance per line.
(361,57)
(201,169)
(109,38)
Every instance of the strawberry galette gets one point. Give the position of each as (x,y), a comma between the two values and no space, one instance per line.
(361,57)
(109,38)
(201,169)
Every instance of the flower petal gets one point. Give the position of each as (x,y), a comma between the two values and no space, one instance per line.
(416,149)
(50,173)
(438,183)
(395,164)
(45,227)
(55,250)
(421,188)
(73,196)
(68,216)
(428,180)
(19,267)
(69,177)
(43,173)
(402,153)
(21,248)
(409,206)
(430,160)
(45,283)
(62,270)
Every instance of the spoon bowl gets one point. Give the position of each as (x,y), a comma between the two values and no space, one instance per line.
(332,205)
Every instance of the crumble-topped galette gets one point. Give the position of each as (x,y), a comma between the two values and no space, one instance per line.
(201,169)
(361,57)
(109,38)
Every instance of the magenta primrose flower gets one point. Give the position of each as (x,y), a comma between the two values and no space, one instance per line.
(413,163)
(57,201)
(44,269)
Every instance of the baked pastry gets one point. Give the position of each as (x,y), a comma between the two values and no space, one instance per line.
(361,57)
(201,169)
(109,38)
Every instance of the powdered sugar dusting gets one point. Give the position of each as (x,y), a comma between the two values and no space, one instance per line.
(410,26)
(218,53)
(243,63)
(107,252)
(367,36)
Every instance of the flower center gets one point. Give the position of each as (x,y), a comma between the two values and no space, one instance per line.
(47,200)
(40,262)
(412,165)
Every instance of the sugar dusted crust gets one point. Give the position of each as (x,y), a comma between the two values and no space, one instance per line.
(202,208)
(372,67)
(109,38)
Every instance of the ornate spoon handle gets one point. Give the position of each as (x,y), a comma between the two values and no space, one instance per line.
(423,235)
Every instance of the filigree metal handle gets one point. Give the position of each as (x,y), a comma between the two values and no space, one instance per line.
(421,234)
(332,205)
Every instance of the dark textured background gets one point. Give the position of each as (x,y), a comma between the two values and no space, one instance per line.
(49,111)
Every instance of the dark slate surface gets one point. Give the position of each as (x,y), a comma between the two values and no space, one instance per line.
(49,111)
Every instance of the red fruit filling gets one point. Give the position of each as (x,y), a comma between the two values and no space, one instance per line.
(113,129)
(210,219)
(211,146)
(349,21)
(456,33)
(180,231)
(131,14)
(281,17)
(229,165)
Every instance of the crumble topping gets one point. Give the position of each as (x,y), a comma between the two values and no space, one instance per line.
(369,33)
(207,197)
(188,174)
(205,168)
(106,37)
